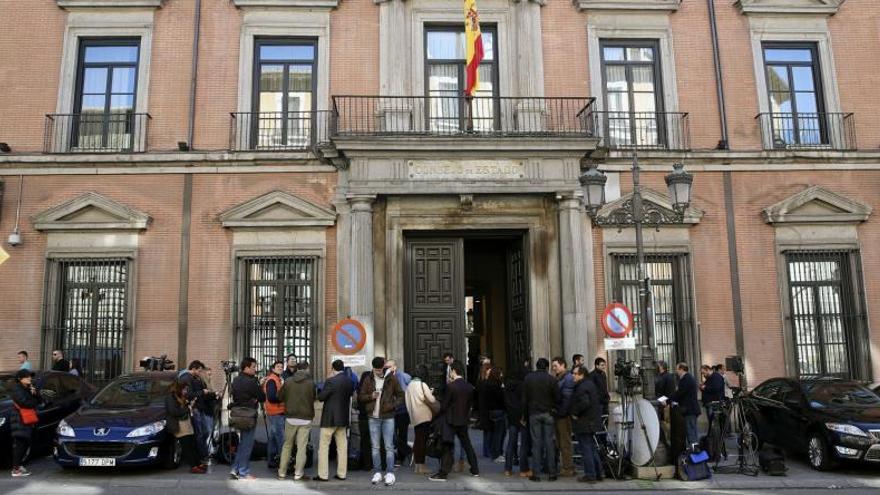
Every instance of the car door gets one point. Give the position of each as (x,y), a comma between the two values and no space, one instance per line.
(55,406)
(792,419)
(765,400)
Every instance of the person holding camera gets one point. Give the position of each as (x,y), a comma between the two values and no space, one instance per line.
(600,379)
(178,411)
(23,420)
(198,395)
(247,395)
(381,394)
(298,396)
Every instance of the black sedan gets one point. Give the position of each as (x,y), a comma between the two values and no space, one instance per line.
(123,425)
(62,394)
(829,419)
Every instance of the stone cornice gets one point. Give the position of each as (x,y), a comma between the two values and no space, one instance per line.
(826,7)
(662,5)
(301,4)
(290,211)
(109,4)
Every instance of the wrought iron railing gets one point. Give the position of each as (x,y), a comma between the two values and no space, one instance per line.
(113,132)
(807,131)
(643,130)
(457,115)
(279,131)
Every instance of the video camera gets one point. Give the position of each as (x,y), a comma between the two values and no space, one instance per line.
(229,367)
(630,371)
(161,363)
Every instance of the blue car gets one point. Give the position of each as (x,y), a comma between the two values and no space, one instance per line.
(123,425)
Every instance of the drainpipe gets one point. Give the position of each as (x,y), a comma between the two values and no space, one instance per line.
(723,144)
(186,213)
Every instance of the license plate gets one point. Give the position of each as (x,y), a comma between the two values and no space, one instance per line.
(97,461)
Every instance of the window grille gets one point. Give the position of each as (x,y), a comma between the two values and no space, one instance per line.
(278,307)
(826,313)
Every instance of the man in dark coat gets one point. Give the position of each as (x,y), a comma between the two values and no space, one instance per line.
(58,361)
(24,396)
(455,414)
(686,399)
(664,385)
(519,444)
(541,396)
(246,393)
(600,379)
(335,417)
(586,417)
(713,389)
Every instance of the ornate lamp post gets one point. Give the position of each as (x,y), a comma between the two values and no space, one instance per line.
(634,213)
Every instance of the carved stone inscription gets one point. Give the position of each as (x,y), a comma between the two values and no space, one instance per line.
(465,169)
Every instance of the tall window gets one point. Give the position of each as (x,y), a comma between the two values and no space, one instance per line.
(794,90)
(670,283)
(91,316)
(827,313)
(631,72)
(279,307)
(445,60)
(105,93)
(284,89)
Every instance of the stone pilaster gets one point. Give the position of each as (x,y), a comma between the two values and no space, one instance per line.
(360,265)
(575,264)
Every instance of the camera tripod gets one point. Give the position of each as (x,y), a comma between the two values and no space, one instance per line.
(218,444)
(733,417)
(624,445)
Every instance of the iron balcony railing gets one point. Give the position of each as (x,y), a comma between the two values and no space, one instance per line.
(643,130)
(460,116)
(808,131)
(113,132)
(279,131)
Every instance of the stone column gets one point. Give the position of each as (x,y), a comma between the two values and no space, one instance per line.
(395,68)
(531,114)
(576,337)
(360,265)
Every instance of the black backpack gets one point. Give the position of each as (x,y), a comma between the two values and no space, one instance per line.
(772,461)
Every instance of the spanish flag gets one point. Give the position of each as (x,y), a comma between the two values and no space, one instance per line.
(473,45)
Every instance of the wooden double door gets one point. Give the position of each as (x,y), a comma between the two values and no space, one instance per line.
(435,301)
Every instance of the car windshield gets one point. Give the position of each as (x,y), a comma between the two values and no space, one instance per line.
(841,394)
(133,392)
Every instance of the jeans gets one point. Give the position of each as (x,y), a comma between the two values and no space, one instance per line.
(189,452)
(203,424)
(690,428)
(517,434)
(275,442)
(461,432)
(497,433)
(541,427)
(382,433)
(592,463)
(487,442)
(401,435)
(242,464)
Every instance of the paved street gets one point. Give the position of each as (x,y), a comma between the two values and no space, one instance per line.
(49,479)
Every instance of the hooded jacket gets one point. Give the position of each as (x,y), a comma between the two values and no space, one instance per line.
(298,395)
(586,408)
(23,398)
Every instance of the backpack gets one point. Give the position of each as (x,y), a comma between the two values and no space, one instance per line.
(772,461)
(694,466)
(709,444)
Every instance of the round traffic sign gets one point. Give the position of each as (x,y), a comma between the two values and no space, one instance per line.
(349,336)
(617,320)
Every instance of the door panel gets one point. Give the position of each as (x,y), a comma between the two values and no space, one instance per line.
(434,275)
(519,346)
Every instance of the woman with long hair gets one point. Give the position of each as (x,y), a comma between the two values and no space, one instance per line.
(422,406)
(493,419)
(179,424)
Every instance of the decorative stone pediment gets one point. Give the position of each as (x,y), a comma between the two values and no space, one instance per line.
(278,209)
(816,205)
(826,7)
(658,211)
(109,4)
(302,4)
(91,211)
(668,5)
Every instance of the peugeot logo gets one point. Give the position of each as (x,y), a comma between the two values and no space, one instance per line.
(101,432)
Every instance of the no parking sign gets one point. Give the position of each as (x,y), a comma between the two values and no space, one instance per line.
(349,336)
(617,320)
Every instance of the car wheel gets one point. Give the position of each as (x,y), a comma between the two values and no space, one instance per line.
(819,454)
(749,436)
(172,457)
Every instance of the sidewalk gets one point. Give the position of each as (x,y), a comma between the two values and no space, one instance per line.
(48,478)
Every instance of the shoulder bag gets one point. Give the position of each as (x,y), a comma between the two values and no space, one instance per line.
(28,416)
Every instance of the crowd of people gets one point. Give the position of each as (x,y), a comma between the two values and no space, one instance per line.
(532,418)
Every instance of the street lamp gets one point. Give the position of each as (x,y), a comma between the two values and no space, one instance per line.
(633,213)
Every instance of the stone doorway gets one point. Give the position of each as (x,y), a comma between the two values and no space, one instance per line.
(466,293)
